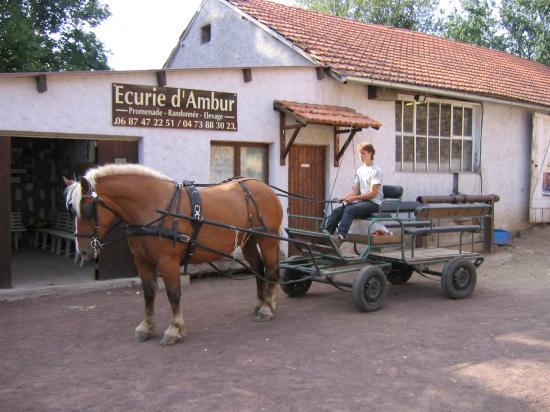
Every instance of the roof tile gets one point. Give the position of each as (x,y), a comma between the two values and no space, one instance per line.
(323,114)
(353,48)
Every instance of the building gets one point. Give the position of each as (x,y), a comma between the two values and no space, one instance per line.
(447,108)
(275,92)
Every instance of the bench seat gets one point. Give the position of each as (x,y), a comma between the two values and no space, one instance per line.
(61,230)
(449,218)
(58,233)
(428,230)
(17,228)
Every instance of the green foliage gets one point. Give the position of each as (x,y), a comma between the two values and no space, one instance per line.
(527,23)
(476,25)
(51,35)
(407,14)
(520,27)
(342,8)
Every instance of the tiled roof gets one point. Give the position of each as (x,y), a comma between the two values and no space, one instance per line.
(322,114)
(381,53)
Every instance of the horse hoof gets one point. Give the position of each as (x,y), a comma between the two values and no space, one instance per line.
(168,340)
(143,336)
(264,315)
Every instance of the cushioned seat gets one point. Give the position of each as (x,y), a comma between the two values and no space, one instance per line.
(391,202)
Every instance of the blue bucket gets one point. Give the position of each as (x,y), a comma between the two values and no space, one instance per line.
(501,237)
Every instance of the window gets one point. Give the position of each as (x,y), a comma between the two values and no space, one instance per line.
(205,33)
(434,136)
(230,159)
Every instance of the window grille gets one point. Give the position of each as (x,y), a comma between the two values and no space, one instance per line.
(435,136)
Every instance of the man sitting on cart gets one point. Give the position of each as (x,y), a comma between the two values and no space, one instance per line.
(364,198)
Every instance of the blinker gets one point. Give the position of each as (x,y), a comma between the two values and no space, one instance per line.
(88,207)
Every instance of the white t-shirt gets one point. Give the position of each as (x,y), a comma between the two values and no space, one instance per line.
(366,177)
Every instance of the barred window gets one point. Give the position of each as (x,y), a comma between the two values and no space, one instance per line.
(434,136)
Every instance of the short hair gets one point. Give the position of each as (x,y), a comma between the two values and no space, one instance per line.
(366,146)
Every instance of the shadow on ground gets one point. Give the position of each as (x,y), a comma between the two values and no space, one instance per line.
(421,352)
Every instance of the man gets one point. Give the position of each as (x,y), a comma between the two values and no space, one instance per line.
(364,199)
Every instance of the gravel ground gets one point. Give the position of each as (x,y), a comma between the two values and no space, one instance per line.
(421,352)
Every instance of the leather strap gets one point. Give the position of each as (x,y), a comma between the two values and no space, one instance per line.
(196,223)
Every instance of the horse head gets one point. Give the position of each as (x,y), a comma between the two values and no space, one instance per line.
(93,216)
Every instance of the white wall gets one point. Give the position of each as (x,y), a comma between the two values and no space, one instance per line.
(235,42)
(81,104)
(506,162)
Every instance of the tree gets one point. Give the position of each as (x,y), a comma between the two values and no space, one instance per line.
(475,25)
(342,8)
(51,35)
(527,23)
(520,27)
(416,15)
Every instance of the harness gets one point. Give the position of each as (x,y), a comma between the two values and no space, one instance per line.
(196,223)
(250,199)
(156,228)
(89,210)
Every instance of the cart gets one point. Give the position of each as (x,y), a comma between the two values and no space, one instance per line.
(390,258)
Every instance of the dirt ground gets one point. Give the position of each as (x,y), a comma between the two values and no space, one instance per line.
(421,352)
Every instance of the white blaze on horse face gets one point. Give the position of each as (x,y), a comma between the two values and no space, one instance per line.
(84,243)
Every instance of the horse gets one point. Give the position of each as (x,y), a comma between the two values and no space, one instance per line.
(135,195)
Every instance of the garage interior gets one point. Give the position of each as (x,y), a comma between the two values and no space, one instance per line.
(37,204)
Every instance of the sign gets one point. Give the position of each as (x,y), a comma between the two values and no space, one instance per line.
(170,107)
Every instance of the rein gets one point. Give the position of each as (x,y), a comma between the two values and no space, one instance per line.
(196,220)
(283,193)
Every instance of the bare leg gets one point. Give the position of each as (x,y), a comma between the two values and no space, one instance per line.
(252,255)
(148,281)
(169,269)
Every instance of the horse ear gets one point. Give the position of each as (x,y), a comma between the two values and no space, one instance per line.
(85,185)
(68,182)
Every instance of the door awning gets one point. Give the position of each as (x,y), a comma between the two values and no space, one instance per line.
(342,119)
(323,114)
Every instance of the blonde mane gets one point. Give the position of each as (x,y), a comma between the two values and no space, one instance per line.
(73,192)
(92,175)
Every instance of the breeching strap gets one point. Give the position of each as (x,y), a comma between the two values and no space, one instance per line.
(249,198)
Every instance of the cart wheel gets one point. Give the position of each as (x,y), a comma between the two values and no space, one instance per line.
(369,289)
(295,289)
(399,274)
(458,278)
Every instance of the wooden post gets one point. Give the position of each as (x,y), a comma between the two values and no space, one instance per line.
(320,73)
(489,230)
(5,212)
(284,146)
(247,75)
(338,153)
(161,78)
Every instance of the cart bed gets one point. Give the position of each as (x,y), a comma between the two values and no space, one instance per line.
(430,255)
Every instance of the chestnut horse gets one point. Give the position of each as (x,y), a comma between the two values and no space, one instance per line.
(134,194)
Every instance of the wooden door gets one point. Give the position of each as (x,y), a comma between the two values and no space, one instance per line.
(306,177)
(539,199)
(5,212)
(116,260)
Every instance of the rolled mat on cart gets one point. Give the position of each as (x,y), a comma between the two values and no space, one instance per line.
(459,198)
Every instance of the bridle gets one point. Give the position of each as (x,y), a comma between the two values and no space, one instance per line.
(89,206)
(90,210)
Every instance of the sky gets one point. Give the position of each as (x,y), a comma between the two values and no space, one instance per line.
(141,34)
